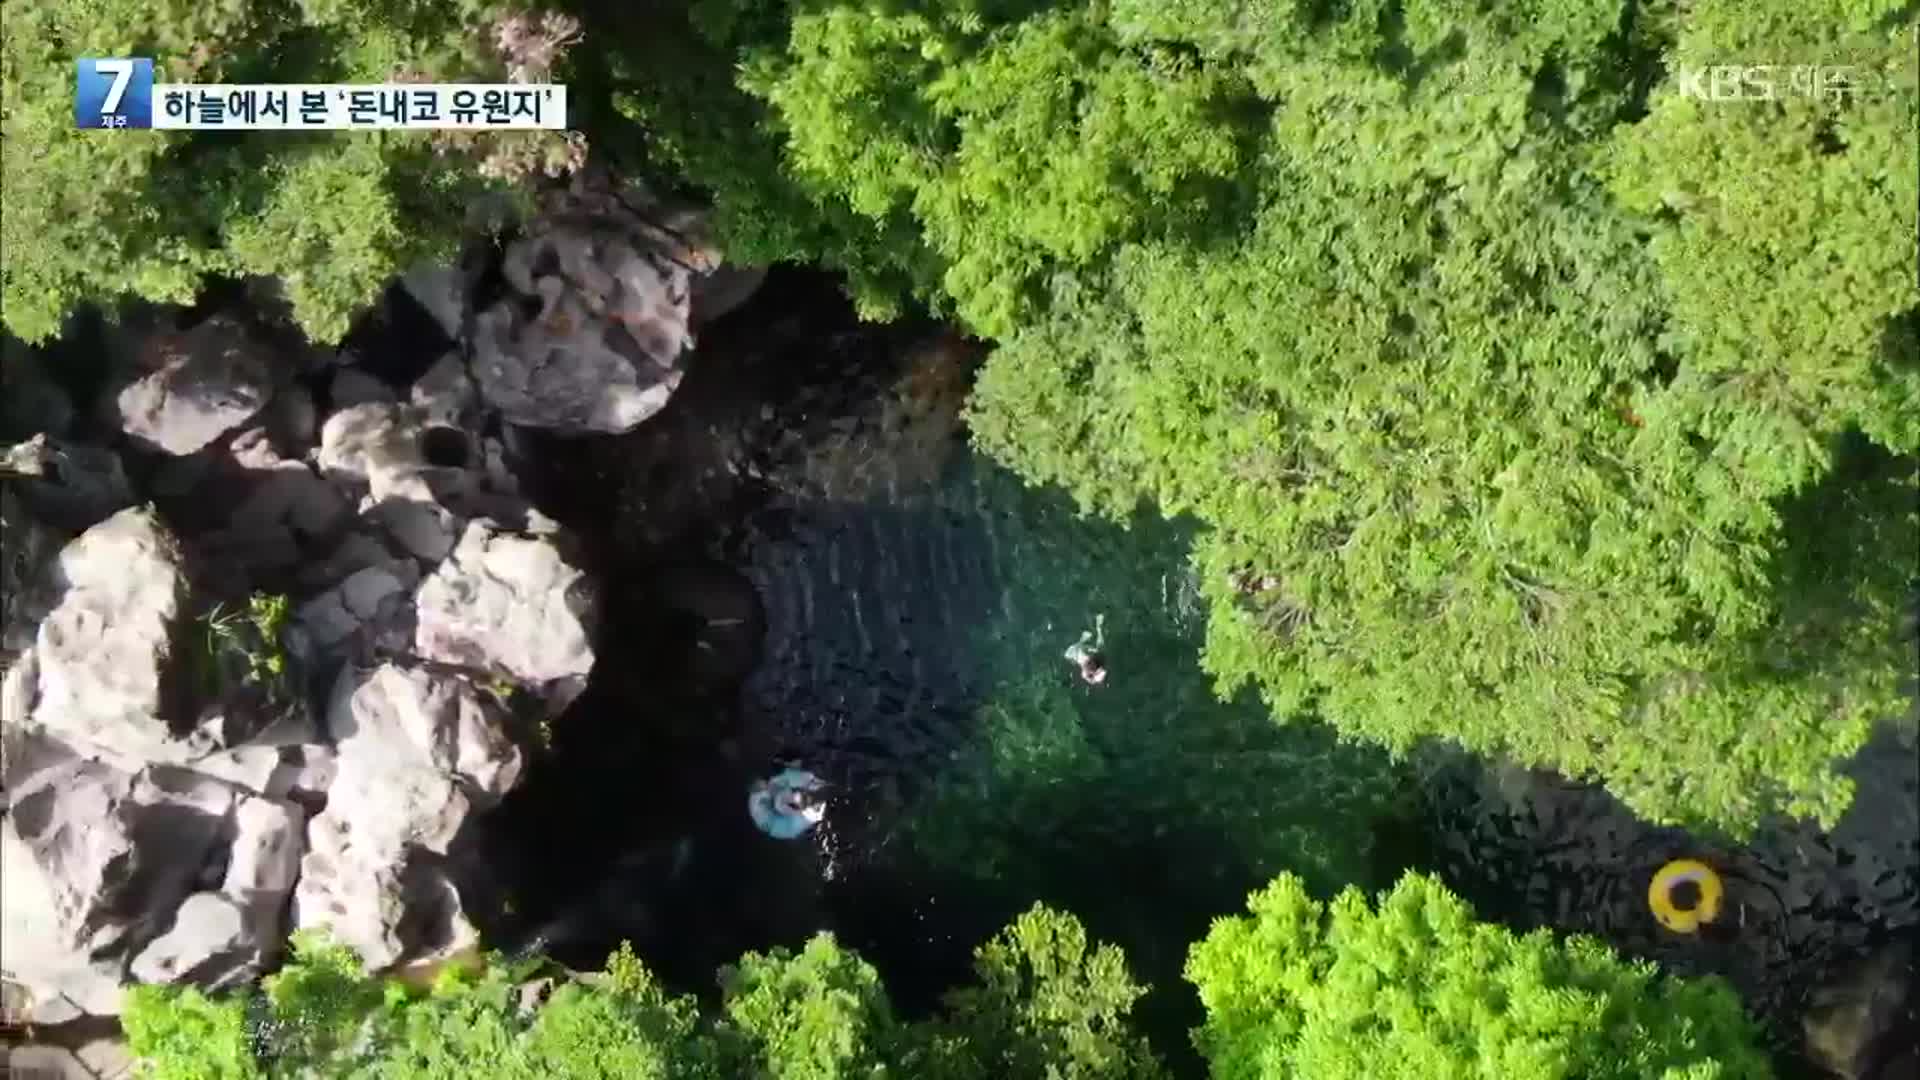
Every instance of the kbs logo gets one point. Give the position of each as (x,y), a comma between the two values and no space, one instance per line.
(114,94)
(1769,82)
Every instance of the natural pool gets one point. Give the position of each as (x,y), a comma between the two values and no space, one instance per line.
(810,567)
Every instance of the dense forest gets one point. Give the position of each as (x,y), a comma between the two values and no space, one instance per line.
(1530,403)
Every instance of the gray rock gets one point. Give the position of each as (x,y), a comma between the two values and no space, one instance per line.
(103,650)
(718,288)
(386,454)
(43,1061)
(356,612)
(73,858)
(269,837)
(19,684)
(202,384)
(268,840)
(298,772)
(375,449)
(604,352)
(446,394)
(279,508)
(352,386)
(69,486)
(293,421)
(506,603)
(98,862)
(441,720)
(442,292)
(724,291)
(425,530)
(208,937)
(418,751)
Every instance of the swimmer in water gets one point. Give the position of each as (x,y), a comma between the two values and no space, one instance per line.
(1086,656)
(787,805)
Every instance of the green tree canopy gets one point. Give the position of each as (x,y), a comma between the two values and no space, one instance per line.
(1416,987)
(1508,377)
(97,215)
(1047,1002)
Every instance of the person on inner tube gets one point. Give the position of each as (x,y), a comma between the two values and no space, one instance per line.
(799,802)
(1086,656)
(788,805)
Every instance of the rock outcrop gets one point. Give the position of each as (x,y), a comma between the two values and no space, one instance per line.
(511,604)
(418,752)
(605,289)
(602,350)
(102,653)
(158,874)
(304,538)
(202,384)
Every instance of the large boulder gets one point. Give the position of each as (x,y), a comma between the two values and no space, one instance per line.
(101,864)
(418,751)
(603,351)
(508,604)
(103,652)
(199,385)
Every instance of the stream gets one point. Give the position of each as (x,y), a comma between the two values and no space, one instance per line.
(805,564)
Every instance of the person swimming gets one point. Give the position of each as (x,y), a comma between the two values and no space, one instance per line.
(787,805)
(1085,654)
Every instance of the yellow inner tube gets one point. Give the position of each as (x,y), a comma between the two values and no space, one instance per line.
(1703,907)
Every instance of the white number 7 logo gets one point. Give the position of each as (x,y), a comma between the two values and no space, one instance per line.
(122,72)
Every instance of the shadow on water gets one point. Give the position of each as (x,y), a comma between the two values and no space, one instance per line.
(1534,850)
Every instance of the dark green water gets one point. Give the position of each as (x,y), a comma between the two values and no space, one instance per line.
(914,658)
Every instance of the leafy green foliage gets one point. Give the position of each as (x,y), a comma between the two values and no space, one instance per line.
(95,215)
(1495,375)
(1048,1001)
(1052,1003)
(1299,988)
(1415,987)
(1013,150)
(254,635)
(245,648)
(815,1015)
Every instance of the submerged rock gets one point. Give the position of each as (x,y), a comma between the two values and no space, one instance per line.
(1860,1022)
